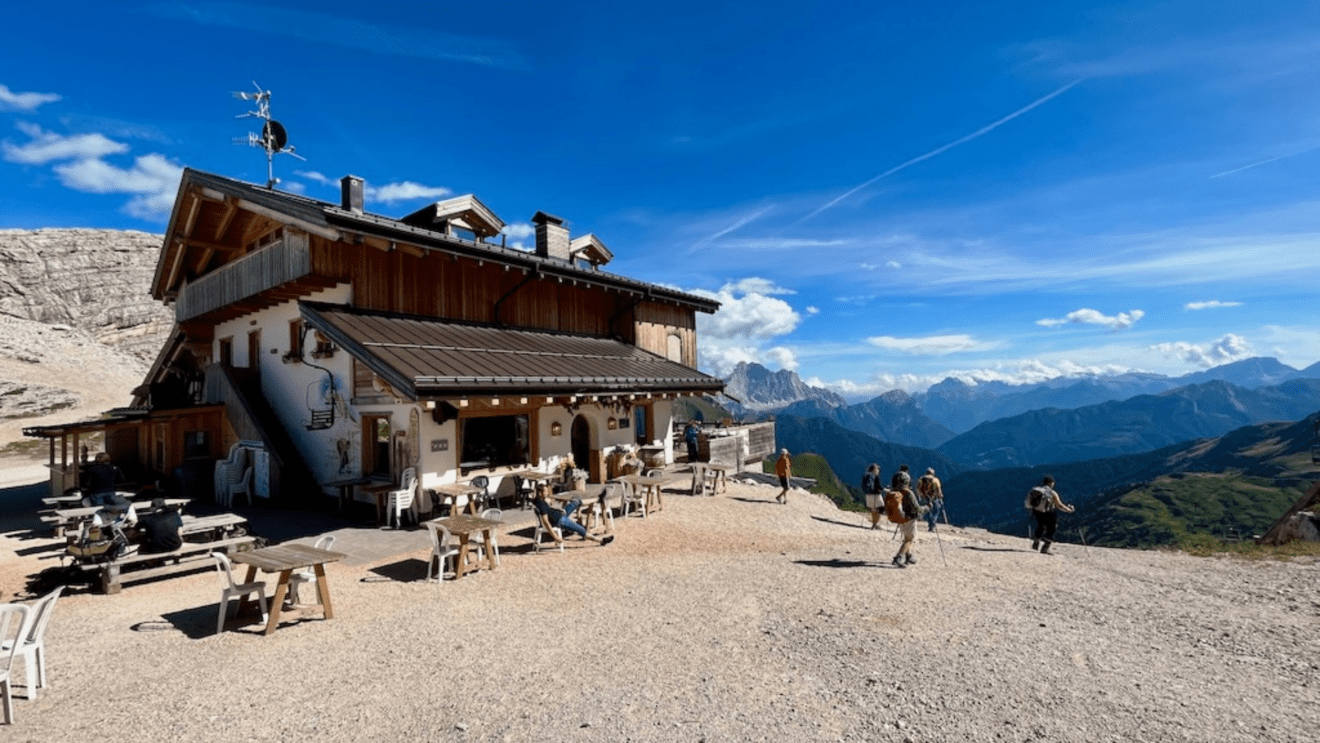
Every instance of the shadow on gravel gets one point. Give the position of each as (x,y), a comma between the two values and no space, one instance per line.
(843,523)
(403,571)
(197,622)
(837,563)
(753,500)
(991,549)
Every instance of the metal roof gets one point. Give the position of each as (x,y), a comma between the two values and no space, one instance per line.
(425,357)
(326,215)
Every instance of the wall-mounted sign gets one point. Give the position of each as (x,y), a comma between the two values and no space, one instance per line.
(439,444)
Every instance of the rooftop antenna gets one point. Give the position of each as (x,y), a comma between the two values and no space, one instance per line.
(274,139)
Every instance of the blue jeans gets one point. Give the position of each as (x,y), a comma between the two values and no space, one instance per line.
(567,522)
(933,515)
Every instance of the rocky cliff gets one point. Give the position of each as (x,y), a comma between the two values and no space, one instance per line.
(760,390)
(96,281)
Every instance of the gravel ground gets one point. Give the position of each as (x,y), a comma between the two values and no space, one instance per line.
(720,619)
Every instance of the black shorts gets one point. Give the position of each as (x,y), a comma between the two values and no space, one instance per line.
(783,482)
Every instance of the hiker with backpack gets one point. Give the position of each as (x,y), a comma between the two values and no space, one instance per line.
(1044,503)
(902,508)
(873,489)
(932,496)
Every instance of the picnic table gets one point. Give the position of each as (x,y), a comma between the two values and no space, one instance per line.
(650,486)
(464,526)
(450,492)
(62,520)
(284,559)
(347,484)
(217,533)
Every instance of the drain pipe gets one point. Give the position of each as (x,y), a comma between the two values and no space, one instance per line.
(534,273)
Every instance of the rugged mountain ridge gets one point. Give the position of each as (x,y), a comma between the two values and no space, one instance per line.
(96,281)
(893,416)
(759,390)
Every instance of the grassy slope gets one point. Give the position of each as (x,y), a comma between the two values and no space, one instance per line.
(827,483)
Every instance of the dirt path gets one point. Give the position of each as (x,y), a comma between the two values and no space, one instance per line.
(720,619)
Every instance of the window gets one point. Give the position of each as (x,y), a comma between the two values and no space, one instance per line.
(195,444)
(254,350)
(674,349)
(295,339)
(227,352)
(493,441)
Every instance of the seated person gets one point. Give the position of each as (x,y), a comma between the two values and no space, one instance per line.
(160,528)
(564,519)
(99,480)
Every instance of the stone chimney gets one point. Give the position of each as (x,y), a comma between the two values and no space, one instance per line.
(352,187)
(551,236)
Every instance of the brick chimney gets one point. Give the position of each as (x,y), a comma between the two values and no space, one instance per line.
(352,187)
(551,236)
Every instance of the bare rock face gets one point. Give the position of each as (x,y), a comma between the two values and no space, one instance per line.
(96,281)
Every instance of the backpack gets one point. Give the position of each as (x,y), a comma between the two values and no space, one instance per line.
(894,510)
(926,486)
(870,484)
(1038,500)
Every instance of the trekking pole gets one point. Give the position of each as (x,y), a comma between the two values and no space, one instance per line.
(894,536)
(940,542)
(1086,550)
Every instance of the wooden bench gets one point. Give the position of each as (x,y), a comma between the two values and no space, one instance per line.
(191,556)
(64,519)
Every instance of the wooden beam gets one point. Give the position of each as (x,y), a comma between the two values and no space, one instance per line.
(203,261)
(328,233)
(190,221)
(231,208)
(207,245)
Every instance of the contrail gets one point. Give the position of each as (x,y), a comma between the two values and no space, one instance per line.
(940,150)
(1262,162)
(736,225)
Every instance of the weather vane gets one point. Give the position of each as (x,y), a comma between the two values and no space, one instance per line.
(273,138)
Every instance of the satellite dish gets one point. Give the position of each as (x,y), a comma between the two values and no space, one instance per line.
(275,133)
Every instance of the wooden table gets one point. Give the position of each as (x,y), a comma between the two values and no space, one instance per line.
(651,486)
(463,526)
(452,491)
(284,559)
(721,477)
(347,484)
(380,490)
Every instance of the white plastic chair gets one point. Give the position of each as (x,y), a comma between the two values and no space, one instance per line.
(242,486)
(13,623)
(542,523)
(444,548)
(305,575)
(227,472)
(230,589)
(32,647)
(402,499)
(633,499)
(479,538)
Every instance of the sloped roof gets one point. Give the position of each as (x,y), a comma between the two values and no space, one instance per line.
(424,357)
(331,221)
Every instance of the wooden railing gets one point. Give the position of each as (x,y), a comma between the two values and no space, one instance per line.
(287,260)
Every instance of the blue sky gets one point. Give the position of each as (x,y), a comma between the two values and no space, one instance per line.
(882,196)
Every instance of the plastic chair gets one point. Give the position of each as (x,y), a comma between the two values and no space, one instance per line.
(543,525)
(522,491)
(444,548)
(300,577)
(633,499)
(13,616)
(241,486)
(32,648)
(230,589)
(699,478)
(479,538)
(402,499)
(483,482)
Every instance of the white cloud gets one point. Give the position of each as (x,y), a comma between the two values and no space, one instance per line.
(720,357)
(1019,372)
(1093,317)
(1229,348)
(519,231)
(404,191)
(753,285)
(813,310)
(153,178)
(315,176)
(24,101)
(785,358)
(47,146)
(933,345)
(1210,304)
(894,264)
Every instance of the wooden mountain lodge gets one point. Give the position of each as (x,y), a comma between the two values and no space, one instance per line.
(342,346)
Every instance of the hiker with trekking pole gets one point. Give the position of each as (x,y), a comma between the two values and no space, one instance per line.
(901,507)
(932,497)
(1044,504)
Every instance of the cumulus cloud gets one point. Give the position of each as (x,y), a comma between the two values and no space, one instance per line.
(1019,372)
(894,264)
(931,345)
(45,147)
(813,310)
(1086,316)
(517,233)
(153,178)
(24,101)
(1210,304)
(1229,348)
(783,357)
(404,191)
(315,176)
(750,315)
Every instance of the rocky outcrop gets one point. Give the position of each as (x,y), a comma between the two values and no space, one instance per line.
(760,391)
(97,281)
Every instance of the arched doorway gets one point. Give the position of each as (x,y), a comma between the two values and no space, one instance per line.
(580,441)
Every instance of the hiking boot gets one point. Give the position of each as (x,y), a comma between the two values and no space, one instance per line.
(1045,549)
(1035,544)
(911,560)
(898,561)
(606,539)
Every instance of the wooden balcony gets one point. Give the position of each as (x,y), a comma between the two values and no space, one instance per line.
(251,282)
